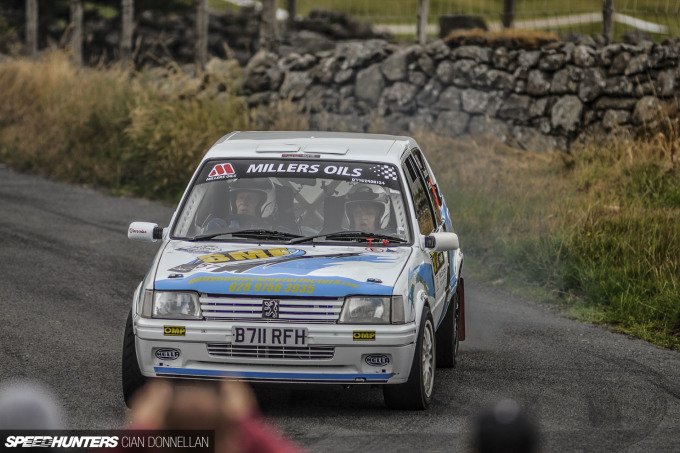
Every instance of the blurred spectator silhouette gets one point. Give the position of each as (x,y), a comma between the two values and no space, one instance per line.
(26,404)
(227,407)
(505,428)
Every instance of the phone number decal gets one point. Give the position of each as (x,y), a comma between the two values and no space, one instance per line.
(271,288)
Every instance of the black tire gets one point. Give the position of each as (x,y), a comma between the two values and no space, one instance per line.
(448,335)
(132,378)
(416,393)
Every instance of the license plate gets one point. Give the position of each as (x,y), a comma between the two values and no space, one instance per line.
(269,336)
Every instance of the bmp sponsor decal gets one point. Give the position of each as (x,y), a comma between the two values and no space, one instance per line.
(377,360)
(245,255)
(177,331)
(221,171)
(363,335)
(167,354)
(238,260)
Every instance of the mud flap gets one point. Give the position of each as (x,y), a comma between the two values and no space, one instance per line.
(461,334)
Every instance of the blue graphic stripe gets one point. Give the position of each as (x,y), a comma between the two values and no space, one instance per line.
(316,286)
(263,375)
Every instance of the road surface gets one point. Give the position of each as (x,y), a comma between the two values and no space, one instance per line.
(67,273)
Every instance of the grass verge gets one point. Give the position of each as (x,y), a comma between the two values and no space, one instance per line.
(598,231)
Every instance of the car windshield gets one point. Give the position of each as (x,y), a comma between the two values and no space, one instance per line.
(300,200)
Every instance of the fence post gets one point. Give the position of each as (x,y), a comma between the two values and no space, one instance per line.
(421,32)
(126,32)
(607,16)
(268,34)
(32,27)
(202,33)
(292,10)
(508,13)
(77,30)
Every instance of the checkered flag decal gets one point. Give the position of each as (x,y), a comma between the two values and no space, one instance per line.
(385,171)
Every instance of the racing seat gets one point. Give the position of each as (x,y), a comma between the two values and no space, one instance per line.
(333,213)
(285,215)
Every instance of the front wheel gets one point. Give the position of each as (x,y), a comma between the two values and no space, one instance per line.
(416,393)
(132,377)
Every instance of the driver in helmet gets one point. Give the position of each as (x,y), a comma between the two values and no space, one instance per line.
(251,200)
(367,208)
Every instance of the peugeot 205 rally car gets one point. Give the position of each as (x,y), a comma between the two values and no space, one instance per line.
(303,257)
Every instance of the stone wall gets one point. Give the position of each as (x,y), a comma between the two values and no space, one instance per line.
(538,99)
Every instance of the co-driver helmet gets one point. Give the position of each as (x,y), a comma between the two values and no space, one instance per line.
(369,193)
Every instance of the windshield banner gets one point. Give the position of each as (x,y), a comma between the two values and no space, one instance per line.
(358,172)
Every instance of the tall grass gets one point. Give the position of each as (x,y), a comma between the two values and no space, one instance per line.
(597,230)
(139,134)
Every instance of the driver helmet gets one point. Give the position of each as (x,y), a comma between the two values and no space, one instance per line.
(369,193)
(262,186)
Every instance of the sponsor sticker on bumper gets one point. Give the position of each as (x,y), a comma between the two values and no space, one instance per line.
(177,331)
(363,335)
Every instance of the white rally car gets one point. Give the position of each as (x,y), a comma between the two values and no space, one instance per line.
(303,257)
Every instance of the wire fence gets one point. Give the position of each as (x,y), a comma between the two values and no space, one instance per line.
(659,18)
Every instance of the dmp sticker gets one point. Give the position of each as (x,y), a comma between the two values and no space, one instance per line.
(167,354)
(221,171)
(177,331)
(363,335)
(246,255)
(377,360)
(245,259)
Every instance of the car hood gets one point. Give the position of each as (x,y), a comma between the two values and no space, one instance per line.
(257,270)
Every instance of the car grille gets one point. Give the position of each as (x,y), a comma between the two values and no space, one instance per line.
(271,352)
(220,308)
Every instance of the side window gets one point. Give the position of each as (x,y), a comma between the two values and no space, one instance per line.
(433,191)
(426,222)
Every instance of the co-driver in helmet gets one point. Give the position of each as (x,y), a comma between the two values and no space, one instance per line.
(368,208)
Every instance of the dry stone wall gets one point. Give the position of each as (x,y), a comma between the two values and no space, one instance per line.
(539,99)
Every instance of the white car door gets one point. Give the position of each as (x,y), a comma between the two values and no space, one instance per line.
(428,223)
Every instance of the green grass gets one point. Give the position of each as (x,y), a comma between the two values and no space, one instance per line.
(596,232)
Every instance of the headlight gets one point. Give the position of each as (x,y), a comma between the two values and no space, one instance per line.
(372,310)
(171,304)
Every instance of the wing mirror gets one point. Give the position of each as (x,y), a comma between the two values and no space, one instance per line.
(145,232)
(439,242)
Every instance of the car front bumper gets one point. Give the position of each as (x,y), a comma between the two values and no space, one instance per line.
(384,359)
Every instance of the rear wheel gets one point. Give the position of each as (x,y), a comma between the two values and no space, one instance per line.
(132,378)
(448,335)
(416,393)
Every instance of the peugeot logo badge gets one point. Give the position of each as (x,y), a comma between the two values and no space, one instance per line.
(270,308)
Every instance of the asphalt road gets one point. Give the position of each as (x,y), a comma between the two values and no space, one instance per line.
(67,273)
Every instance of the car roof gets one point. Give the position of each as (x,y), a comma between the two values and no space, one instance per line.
(328,145)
